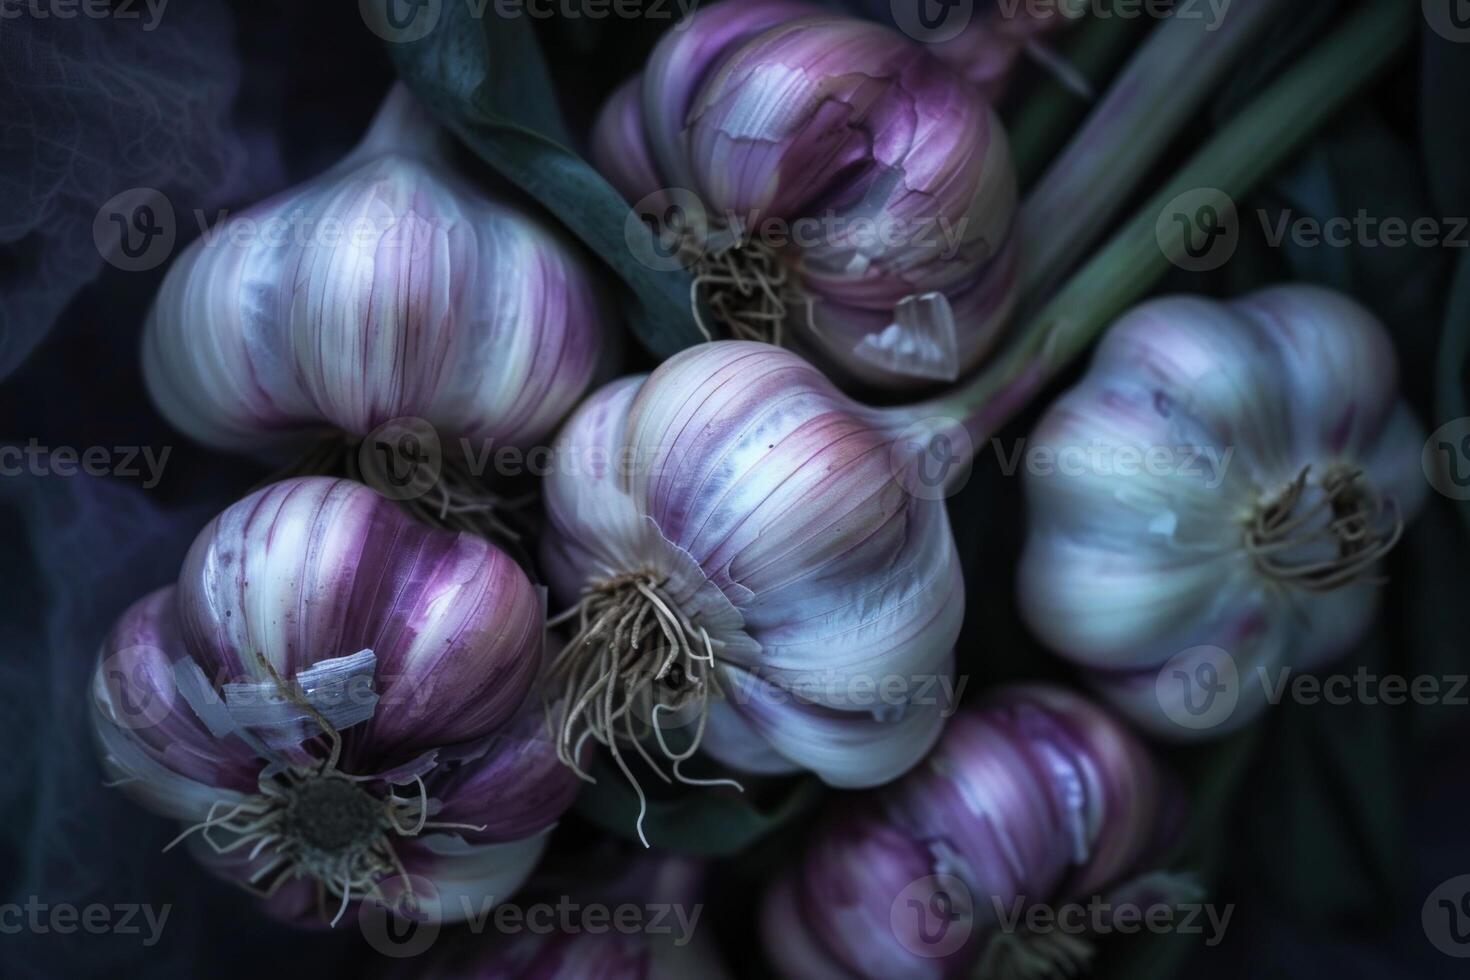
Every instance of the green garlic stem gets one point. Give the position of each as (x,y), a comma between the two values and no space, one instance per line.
(1250,147)
(1053,110)
(1161,89)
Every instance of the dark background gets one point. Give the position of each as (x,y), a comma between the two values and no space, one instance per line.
(1327,828)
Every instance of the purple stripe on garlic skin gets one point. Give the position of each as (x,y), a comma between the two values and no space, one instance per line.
(888,178)
(387,287)
(315,569)
(1031,795)
(768,506)
(1126,570)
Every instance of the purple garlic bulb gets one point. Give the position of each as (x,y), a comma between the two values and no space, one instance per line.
(828,182)
(388,287)
(333,697)
(736,540)
(1033,796)
(1214,501)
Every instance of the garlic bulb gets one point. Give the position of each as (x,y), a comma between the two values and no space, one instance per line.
(1033,797)
(849,190)
(386,288)
(335,699)
(737,541)
(1217,493)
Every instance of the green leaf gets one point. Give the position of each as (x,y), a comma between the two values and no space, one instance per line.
(703,821)
(485,79)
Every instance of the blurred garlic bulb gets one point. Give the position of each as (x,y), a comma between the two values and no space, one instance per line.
(826,180)
(1033,797)
(648,924)
(388,287)
(739,544)
(1219,490)
(335,699)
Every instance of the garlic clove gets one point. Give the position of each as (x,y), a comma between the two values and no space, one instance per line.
(510,794)
(324,565)
(683,59)
(849,748)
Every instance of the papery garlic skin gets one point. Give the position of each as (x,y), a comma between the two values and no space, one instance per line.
(1131,571)
(306,571)
(887,178)
(767,503)
(387,287)
(1033,796)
